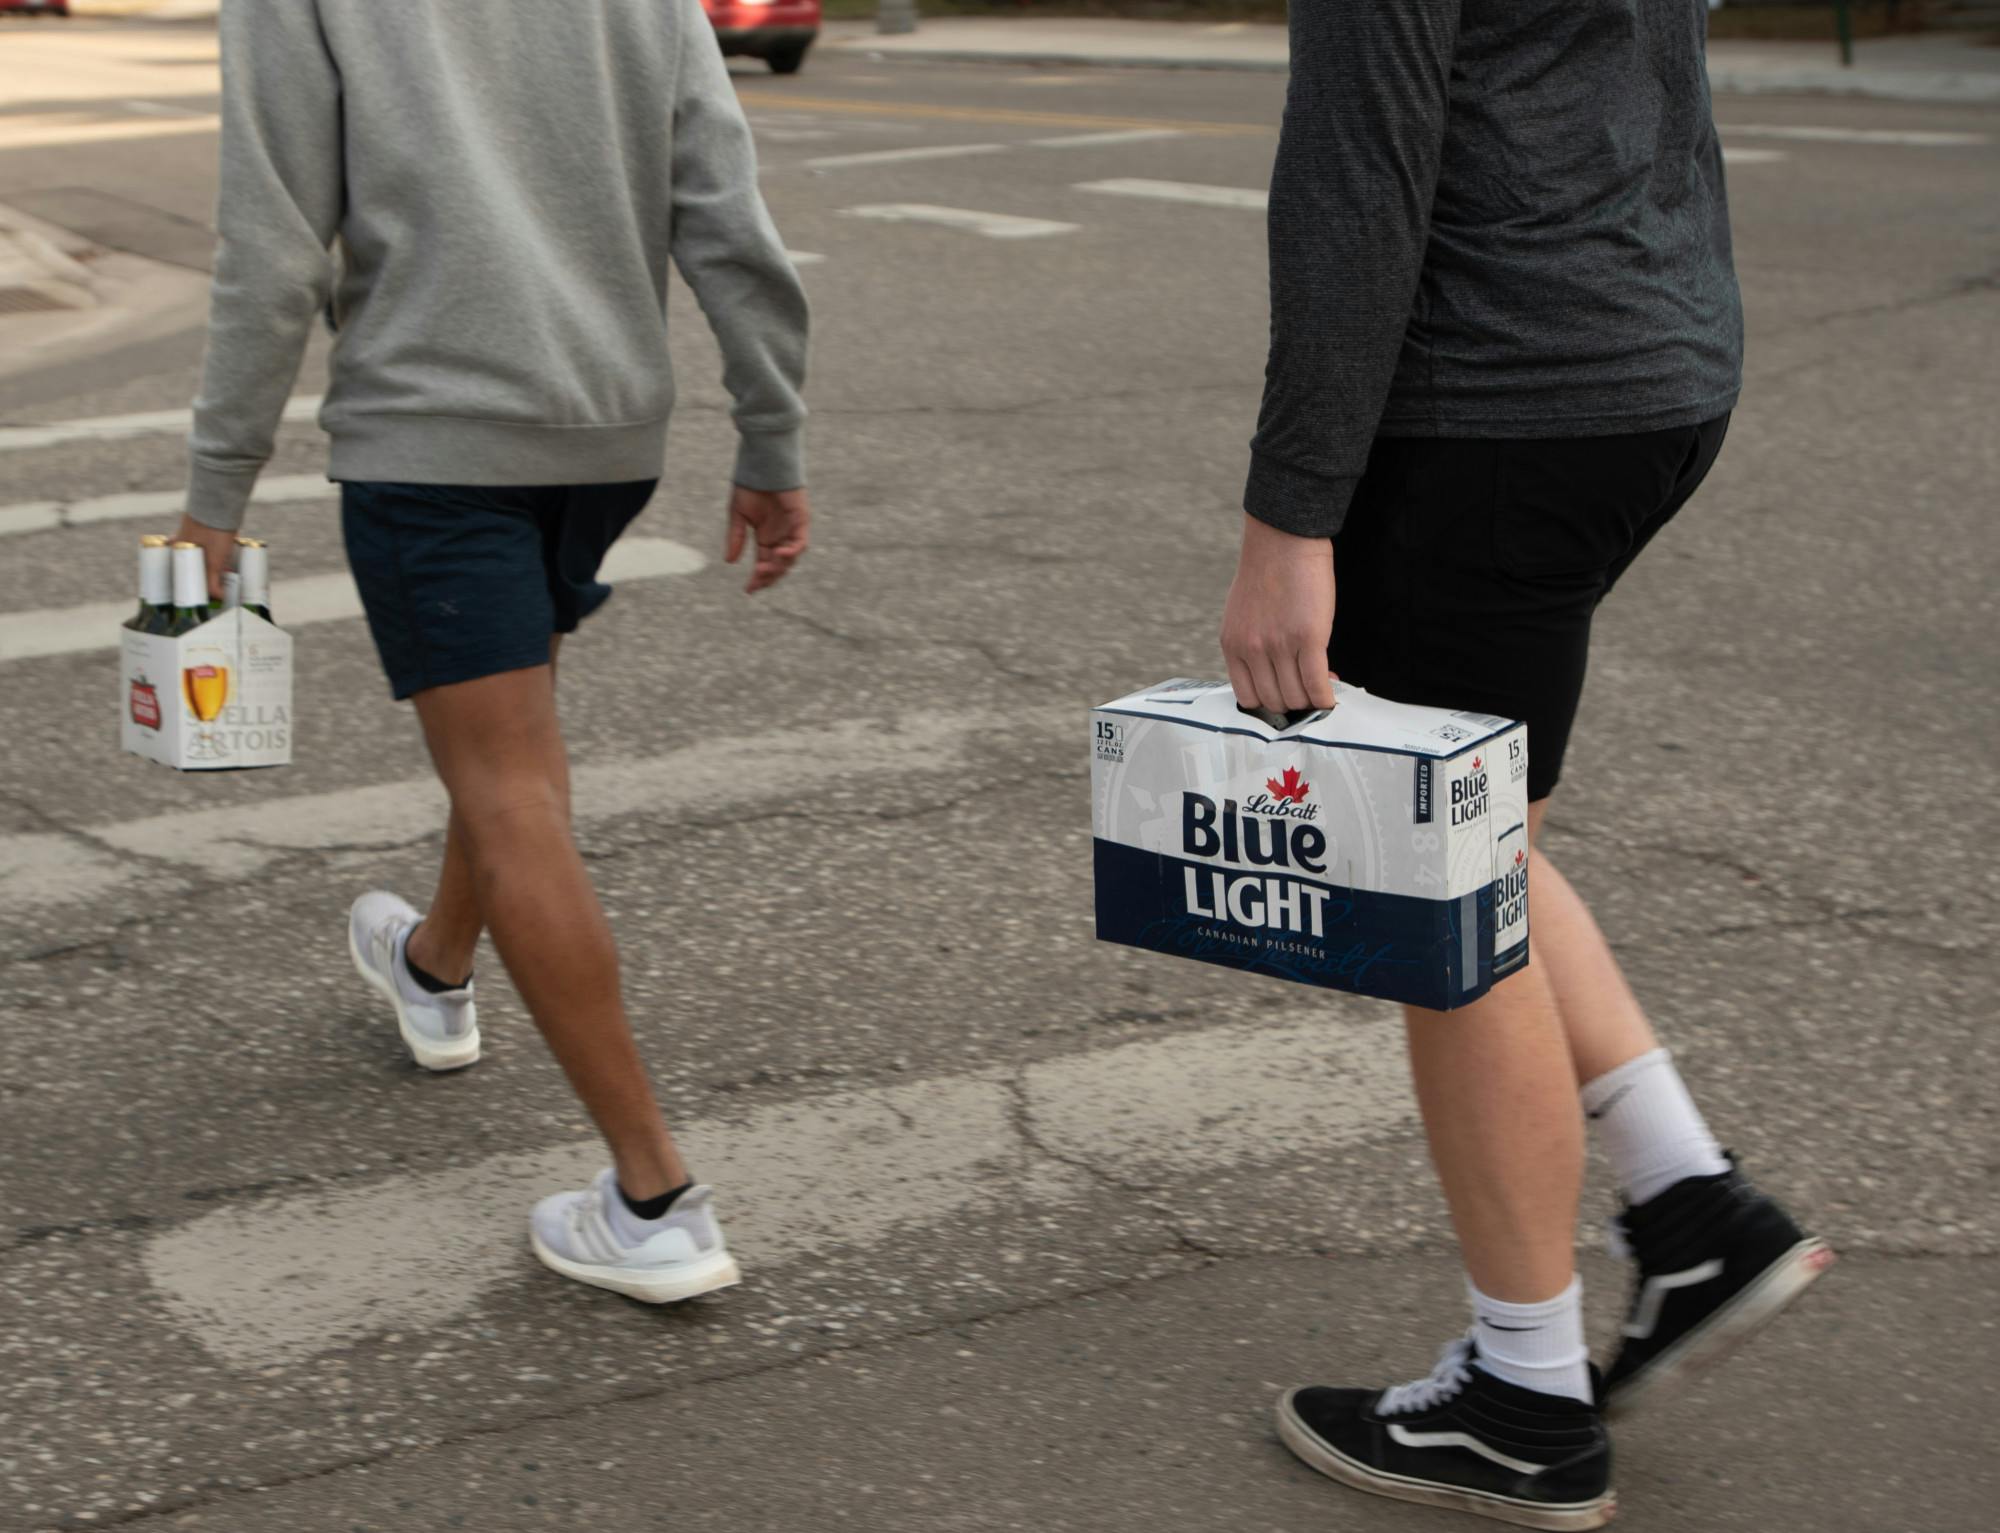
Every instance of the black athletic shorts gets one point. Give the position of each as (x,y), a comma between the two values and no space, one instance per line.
(464,581)
(1468,570)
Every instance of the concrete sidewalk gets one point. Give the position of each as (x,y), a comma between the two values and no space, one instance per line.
(1936,67)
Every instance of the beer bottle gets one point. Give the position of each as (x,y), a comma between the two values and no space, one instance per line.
(253,563)
(190,589)
(156,590)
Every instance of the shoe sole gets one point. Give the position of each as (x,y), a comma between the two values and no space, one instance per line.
(1335,1465)
(1729,1327)
(462,1052)
(684,1282)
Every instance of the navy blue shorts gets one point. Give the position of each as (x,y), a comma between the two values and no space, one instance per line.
(464,581)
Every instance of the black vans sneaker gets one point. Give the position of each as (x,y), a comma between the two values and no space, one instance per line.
(1463,1439)
(1717,1260)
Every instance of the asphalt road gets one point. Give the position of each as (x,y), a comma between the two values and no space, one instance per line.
(1036,1229)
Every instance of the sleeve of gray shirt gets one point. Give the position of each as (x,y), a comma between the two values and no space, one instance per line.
(729,251)
(282,192)
(1349,218)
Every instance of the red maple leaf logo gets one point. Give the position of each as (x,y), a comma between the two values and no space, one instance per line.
(1289,788)
(1475,763)
(1519,858)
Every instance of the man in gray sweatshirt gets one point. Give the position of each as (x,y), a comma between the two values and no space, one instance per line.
(1505,343)
(507,184)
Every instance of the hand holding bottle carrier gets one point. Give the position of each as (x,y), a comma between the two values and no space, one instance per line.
(206,685)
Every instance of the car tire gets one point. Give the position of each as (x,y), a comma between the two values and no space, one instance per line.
(786,61)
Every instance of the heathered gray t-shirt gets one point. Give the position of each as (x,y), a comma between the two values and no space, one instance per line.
(1489,218)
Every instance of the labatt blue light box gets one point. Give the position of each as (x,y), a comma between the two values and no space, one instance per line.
(1375,847)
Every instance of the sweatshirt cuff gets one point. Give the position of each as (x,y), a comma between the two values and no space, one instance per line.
(772,460)
(218,497)
(1292,500)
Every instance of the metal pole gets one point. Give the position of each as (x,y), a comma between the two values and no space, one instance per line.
(896,16)
(1843,26)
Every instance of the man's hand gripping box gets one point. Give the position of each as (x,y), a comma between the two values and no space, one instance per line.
(215,697)
(1377,848)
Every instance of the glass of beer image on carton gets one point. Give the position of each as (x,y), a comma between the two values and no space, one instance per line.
(206,686)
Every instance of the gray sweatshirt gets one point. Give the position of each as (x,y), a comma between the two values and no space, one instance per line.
(1489,218)
(507,181)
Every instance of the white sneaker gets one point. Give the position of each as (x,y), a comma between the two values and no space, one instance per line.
(442,1030)
(594,1237)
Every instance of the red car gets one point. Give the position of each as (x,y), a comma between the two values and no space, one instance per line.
(776,31)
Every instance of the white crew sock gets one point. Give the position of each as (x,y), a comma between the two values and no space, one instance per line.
(1537,1346)
(1650,1126)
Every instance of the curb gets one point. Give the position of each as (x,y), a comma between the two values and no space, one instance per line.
(1935,89)
(1879,85)
(1054,58)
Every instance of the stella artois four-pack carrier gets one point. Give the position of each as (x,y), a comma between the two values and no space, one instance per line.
(204,686)
(1374,847)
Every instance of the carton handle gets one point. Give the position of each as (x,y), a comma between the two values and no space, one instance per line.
(1290,719)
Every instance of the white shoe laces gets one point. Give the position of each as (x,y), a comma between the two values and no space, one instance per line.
(1453,1373)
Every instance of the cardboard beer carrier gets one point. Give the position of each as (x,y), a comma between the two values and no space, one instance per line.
(1375,847)
(214,693)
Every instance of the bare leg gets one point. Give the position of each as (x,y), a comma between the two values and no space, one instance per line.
(1603,1019)
(444,942)
(500,754)
(1498,1095)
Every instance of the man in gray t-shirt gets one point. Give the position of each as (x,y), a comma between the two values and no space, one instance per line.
(1505,342)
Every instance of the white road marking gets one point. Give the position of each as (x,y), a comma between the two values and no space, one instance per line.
(310,599)
(805,258)
(164,109)
(995,226)
(896,156)
(1179,191)
(240,840)
(1101,140)
(795,135)
(113,428)
(49,129)
(1751,156)
(34,516)
(136,505)
(1810,135)
(280,1280)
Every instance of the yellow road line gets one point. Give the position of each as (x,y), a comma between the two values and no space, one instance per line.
(769,102)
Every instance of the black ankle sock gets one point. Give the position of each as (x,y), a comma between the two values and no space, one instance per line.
(653,1208)
(427,981)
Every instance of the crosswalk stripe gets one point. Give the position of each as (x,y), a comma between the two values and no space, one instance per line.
(896,156)
(136,505)
(994,226)
(39,871)
(112,428)
(308,599)
(1751,156)
(760,101)
(48,129)
(1105,140)
(1926,139)
(1178,191)
(281,1280)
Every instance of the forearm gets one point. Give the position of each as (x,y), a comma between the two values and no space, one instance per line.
(730,253)
(1349,218)
(261,311)
(279,205)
